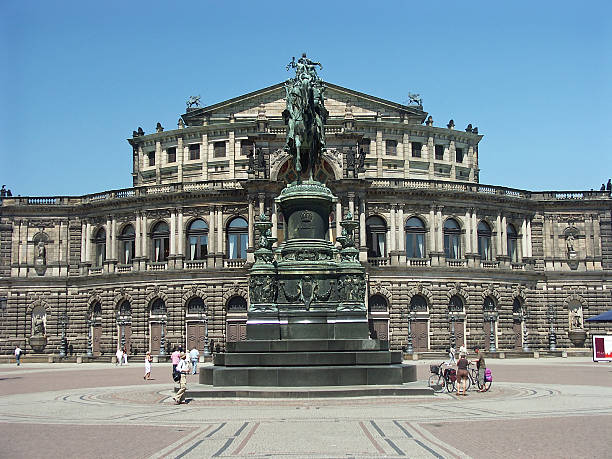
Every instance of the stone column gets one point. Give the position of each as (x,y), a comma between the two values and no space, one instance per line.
(524,238)
(432,239)
(172,232)
(555,239)
(89,257)
(158,158)
(474,232)
(274,220)
(440,232)
(392,229)
(138,238)
(504,238)
(109,232)
(145,238)
(220,231)
(529,247)
(407,153)
(262,203)
(498,223)
(179,158)
(204,153)
(401,239)
(180,230)
(212,242)
(231,150)
(114,238)
(351,203)
(380,147)
(363,248)
(597,237)
(468,232)
(251,216)
(83,241)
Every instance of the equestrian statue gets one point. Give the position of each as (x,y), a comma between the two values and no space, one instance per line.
(305,116)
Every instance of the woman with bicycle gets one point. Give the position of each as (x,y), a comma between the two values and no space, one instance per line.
(481,367)
(462,374)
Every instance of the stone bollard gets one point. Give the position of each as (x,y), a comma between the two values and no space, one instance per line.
(155,359)
(536,354)
(415,356)
(502,355)
(114,359)
(50,359)
(79,359)
(564,354)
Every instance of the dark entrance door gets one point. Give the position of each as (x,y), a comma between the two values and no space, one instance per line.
(155,337)
(96,336)
(196,332)
(378,329)
(459,334)
(419,335)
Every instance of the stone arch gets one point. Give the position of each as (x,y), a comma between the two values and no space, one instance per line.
(423,218)
(235,290)
(284,158)
(379,289)
(492,292)
(120,298)
(36,303)
(423,291)
(41,236)
(575,298)
(456,218)
(461,292)
(519,292)
(193,291)
(155,294)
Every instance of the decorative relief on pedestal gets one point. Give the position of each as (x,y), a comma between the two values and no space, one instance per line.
(351,288)
(262,288)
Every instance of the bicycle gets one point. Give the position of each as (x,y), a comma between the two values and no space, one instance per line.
(473,380)
(441,379)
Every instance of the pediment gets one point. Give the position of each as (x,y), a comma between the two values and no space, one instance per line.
(270,102)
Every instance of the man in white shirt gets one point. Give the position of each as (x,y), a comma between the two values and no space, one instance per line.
(18,355)
(183,369)
(119,355)
(194,355)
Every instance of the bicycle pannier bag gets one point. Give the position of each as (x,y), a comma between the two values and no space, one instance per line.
(488,375)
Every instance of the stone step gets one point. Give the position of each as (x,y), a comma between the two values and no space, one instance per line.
(310,345)
(267,359)
(328,375)
(413,389)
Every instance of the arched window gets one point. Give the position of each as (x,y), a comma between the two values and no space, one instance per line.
(513,238)
(415,238)
(237,304)
(100,243)
(484,241)
(127,241)
(196,306)
(489,304)
(125,309)
(377,303)
(158,307)
(96,311)
(455,304)
(161,242)
(376,233)
(197,237)
(418,303)
(237,238)
(452,239)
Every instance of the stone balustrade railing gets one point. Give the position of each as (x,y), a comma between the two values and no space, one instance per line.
(390,183)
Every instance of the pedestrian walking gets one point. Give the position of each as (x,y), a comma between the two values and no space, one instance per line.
(451,356)
(182,368)
(148,360)
(119,355)
(18,352)
(174,358)
(462,374)
(194,355)
(125,355)
(481,367)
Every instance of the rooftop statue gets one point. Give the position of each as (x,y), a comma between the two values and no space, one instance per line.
(305,115)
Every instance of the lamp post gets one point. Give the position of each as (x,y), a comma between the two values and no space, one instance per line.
(451,319)
(89,323)
(525,331)
(63,322)
(490,316)
(122,323)
(162,338)
(409,347)
(552,336)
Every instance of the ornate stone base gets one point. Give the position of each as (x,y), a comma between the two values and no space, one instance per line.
(577,337)
(38,343)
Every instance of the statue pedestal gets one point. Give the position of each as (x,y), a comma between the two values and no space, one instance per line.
(577,337)
(38,343)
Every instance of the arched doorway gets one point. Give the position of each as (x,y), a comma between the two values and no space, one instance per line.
(95,317)
(124,326)
(196,322)
(420,324)
(236,319)
(157,322)
(378,317)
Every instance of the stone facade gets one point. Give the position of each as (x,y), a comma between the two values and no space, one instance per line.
(445,255)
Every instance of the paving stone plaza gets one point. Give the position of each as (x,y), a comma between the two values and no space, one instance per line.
(551,407)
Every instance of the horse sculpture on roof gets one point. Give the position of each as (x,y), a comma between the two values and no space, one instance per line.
(305,116)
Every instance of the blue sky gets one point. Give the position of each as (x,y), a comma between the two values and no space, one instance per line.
(78,77)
